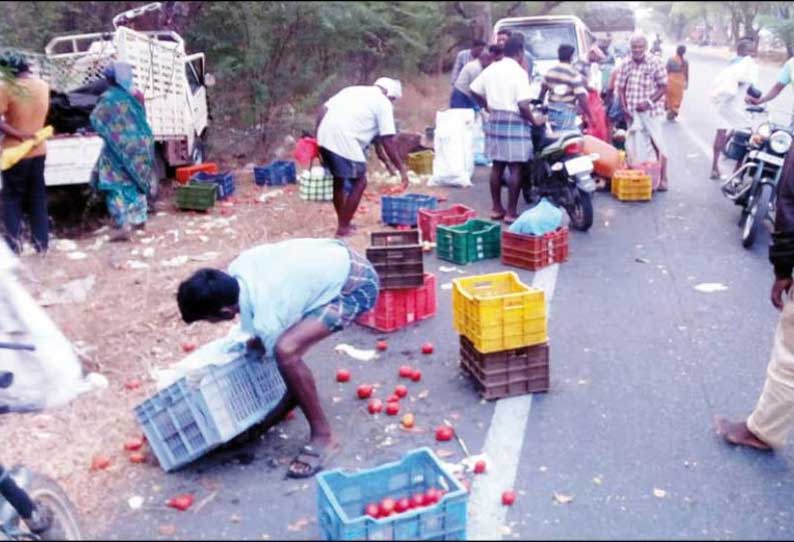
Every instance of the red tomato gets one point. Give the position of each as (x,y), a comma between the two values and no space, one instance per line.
(364,391)
(100,462)
(133,444)
(432,496)
(138,457)
(406,371)
(416,375)
(393,398)
(508,497)
(188,347)
(392,408)
(400,391)
(375,406)
(342,375)
(387,507)
(372,510)
(381,345)
(408,421)
(479,467)
(427,348)
(402,505)
(132,384)
(418,500)
(444,433)
(181,502)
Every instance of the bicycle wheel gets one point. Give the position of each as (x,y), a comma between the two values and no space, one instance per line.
(47,493)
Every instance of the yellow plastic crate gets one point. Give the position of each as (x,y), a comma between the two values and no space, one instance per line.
(420,162)
(632,185)
(498,312)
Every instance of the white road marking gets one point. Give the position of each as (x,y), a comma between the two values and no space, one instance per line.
(503,445)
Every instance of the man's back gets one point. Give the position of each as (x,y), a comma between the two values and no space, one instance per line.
(564,83)
(24,104)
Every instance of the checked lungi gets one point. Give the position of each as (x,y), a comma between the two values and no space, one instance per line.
(508,137)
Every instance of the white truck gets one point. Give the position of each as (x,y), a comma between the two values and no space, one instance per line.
(172,82)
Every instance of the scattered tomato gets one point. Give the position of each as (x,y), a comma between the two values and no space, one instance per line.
(364,391)
(132,384)
(375,406)
(418,500)
(432,496)
(406,371)
(133,444)
(479,467)
(372,510)
(444,433)
(402,505)
(381,345)
(392,408)
(393,398)
(188,347)
(427,348)
(181,502)
(138,457)
(386,507)
(416,375)
(400,391)
(100,462)
(508,497)
(408,421)
(342,375)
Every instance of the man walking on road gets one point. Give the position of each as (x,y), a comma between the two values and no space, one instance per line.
(773,418)
(642,86)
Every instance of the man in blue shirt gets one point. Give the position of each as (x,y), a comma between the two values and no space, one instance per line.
(784,78)
(290,296)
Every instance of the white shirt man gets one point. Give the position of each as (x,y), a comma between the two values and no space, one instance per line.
(503,84)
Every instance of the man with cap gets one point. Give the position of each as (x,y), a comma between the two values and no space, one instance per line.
(346,125)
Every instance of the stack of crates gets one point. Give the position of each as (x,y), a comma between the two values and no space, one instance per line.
(183,174)
(407,293)
(196,197)
(503,331)
(632,185)
(430,219)
(534,252)
(224,182)
(470,242)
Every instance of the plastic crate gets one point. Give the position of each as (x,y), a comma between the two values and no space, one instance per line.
(315,188)
(223,181)
(197,197)
(396,309)
(498,312)
(470,242)
(509,372)
(429,219)
(342,496)
(534,251)
(397,257)
(196,414)
(420,162)
(403,210)
(183,174)
(276,173)
(632,185)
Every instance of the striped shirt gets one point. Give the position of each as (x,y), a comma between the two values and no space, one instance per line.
(564,83)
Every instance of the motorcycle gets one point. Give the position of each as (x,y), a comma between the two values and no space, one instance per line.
(561,172)
(753,186)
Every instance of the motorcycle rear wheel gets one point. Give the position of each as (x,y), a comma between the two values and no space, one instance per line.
(581,209)
(758,211)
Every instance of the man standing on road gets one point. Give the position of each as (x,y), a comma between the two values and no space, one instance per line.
(642,85)
(526,60)
(464,57)
(290,296)
(461,93)
(567,90)
(503,88)
(770,423)
(346,125)
(24,103)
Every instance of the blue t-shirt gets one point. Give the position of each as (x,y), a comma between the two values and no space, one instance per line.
(784,77)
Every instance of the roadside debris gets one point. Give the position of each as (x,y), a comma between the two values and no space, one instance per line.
(356,353)
(710,287)
(75,291)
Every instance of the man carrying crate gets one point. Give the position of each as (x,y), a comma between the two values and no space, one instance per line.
(290,296)
(346,125)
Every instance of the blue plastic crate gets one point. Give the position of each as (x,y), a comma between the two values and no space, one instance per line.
(342,496)
(224,181)
(403,210)
(276,173)
(198,413)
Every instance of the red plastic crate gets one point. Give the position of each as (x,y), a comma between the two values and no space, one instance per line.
(183,174)
(534,251)
(396,309)
(428,219)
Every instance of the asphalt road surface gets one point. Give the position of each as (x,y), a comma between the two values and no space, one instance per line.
(641,362)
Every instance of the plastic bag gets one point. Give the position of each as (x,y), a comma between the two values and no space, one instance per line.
(453,162)
(306,150)
(639,147)
(540,219)
(480,159)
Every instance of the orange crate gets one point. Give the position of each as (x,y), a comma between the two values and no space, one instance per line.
(183,174)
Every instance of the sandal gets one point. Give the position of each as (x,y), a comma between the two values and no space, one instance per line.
(497,216)
(510,219)
(308,457)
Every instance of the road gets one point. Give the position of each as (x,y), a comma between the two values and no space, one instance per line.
(641,363)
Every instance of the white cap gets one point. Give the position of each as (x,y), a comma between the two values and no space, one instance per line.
(393,88)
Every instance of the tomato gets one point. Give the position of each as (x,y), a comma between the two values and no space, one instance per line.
(133,444)
(342,375)
(408,421)
(402,505)
(375,406)
(364,391)
(427,348)
(416,375)
(100,462)
(138,457)
(406,371)
(444,433)
(181,502)
(132,384)
(432,496)
(508,497)
(418,500)
(479,467)
(400,391)
(387,507)
(392,408)
(381,345)
(188,347)
(372,510)
(393,398)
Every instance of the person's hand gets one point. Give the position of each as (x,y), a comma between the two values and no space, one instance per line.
(641,108)
(779,287)
(405,182)
(752,101)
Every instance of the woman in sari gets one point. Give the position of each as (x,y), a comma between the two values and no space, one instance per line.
(677,81)
(124,172)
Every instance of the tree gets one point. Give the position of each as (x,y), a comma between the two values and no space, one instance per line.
(780,22)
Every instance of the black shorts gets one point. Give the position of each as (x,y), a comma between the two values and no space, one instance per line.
(341,167)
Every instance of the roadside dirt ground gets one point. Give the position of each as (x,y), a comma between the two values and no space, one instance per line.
(128,323)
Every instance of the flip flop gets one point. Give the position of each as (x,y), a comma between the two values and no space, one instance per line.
(314,460)
(509,220)
(497,216)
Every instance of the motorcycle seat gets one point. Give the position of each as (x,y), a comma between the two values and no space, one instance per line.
(556,142)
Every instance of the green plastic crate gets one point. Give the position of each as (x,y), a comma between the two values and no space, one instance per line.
(196,197)
(470,242)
